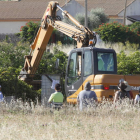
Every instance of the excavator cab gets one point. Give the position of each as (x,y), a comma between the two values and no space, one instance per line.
(83,64)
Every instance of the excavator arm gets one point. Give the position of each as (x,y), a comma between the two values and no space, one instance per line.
(50,21)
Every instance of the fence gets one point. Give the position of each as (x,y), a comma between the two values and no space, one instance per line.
(9,38)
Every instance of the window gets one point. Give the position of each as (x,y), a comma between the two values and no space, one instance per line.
(87,63)
(75,66)
(105,61)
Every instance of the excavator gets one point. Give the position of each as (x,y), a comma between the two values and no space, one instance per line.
(86,63)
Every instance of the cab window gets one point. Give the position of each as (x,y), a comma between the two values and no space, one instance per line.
(105,61)
(87,63)
(75,66)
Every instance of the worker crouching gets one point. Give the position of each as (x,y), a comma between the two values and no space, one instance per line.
(123,92)
(86,98)
(56,99)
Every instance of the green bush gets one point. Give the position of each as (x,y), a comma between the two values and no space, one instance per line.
(47,63)
(13,55)
(11,63)
(128,64)
(116,32)
(95,18)
(29,31)
(135,27)
(12,86)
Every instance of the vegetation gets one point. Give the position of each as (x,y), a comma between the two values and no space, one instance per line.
(11,63)
(128,64)
(116,32)
(12,60)
(12,86)
(13,56)
(47,64)
(95,18)
(106,121)
(135,27)
(29,31)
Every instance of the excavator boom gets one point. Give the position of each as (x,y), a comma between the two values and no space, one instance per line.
(50,21)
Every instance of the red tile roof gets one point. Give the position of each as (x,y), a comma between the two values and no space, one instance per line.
(24,9)
(111,7)
(34,9)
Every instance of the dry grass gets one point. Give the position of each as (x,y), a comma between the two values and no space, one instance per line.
(18,121)
(118,47)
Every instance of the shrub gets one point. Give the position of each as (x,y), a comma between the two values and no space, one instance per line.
(116,32)
(12,86)
(47,64)
(95,18)
(13,55)
(135,27)
(29,31)
(128,64)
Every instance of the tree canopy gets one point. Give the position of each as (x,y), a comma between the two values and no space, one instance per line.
(11,63)
(116,32)
(128,64)
(95,18)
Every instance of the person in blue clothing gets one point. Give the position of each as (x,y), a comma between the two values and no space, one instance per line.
(1,95)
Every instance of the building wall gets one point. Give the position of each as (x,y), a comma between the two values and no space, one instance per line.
(132,9)
(128,22)
(11,27)
(73,8)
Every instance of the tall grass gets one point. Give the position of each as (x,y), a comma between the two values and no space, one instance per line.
(106,121)
(118,47)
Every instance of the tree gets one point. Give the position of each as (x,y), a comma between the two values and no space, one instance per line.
(47,64)
(116,32)
(11,62)
(135,27)
(95,18)
(12,86)
(11,55)
(29,31)
(128,64)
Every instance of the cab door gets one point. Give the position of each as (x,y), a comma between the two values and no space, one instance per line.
(74,74)
(88,68)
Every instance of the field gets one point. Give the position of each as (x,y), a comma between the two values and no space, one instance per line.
(106,121)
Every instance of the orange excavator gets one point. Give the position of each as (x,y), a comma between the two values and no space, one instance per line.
(86,63)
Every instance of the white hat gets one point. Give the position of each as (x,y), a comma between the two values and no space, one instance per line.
(128,86)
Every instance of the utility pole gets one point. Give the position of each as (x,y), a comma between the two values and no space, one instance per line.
(86,20)
(124,22)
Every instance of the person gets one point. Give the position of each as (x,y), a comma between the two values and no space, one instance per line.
(86,97)
(122,93)
(128,89)
(100,64)
(1,95)
(56,99)
(137,98)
